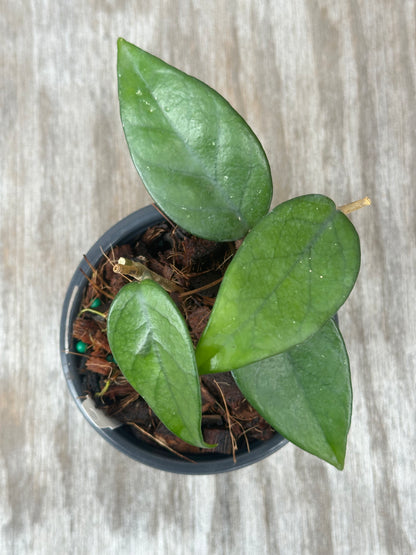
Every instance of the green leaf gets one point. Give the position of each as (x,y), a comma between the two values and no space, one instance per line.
(151,344)
(305,393)
(197,157)
(290,275)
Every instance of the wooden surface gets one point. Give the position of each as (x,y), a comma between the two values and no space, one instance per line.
(329,87)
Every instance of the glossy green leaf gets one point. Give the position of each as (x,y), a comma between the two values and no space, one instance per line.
(151,344)
(197,157)
(290,275)
(305,393)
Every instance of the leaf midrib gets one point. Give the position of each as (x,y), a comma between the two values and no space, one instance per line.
(158,347)
(214,183)
(254,314)
(308,402)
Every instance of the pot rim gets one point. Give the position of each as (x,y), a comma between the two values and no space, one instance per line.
(126,230)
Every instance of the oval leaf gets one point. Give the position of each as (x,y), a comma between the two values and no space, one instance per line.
(197,157)
(151,344)
(305,393)
(290,275)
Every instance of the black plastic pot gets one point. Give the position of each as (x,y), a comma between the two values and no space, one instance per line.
(128,230)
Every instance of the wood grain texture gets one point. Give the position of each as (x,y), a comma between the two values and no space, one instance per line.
(329,87)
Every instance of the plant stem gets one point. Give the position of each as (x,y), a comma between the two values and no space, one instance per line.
(348,208)
(97,312)
(203,288)
(139,271)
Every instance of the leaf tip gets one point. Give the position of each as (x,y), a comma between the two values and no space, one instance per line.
(121,42)
(339,464)
(337,457)
(210,445)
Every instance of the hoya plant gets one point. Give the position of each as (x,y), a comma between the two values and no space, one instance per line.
(272,322)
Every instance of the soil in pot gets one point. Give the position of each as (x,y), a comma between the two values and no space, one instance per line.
(195,267)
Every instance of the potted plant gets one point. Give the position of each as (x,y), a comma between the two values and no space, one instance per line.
(272,324)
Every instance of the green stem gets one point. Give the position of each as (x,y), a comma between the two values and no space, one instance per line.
(93,312)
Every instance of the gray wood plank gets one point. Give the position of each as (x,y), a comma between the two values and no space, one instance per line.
(329,87)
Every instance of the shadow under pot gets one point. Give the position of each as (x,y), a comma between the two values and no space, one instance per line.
(118,433)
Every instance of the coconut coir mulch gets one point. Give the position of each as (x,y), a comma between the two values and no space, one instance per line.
(196,266)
